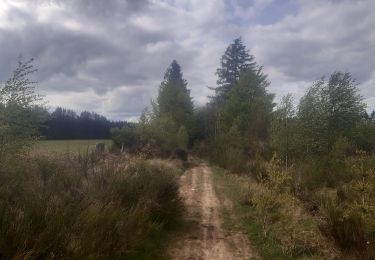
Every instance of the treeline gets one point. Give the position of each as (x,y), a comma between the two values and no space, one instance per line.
(242,120)
(318,149)
(63,124)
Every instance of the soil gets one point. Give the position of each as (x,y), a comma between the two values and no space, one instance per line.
(206,238)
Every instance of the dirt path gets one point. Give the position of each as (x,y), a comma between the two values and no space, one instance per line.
(206,239)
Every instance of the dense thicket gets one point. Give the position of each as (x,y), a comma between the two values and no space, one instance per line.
(63,124)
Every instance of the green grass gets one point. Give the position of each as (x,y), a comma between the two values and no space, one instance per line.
(234,188)
(68,146)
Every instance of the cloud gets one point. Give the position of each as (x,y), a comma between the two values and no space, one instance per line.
(324,36)
(110,56)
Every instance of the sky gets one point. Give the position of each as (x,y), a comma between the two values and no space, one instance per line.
(110,56)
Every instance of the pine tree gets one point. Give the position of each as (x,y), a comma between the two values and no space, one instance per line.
(235,60)
(174,99)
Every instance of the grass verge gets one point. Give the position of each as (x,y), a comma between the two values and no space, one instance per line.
(234,187)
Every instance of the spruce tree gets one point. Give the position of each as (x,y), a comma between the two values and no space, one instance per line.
(174,99)
(235,60)
(249,106)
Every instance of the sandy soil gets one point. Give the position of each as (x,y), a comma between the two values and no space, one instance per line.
(206,239)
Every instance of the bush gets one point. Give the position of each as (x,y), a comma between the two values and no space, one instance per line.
(230,158)
(59,209)
(345,227)
(126,138)
(281,219)
(349,211)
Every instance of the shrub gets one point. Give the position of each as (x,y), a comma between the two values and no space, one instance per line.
(344,226)
(230,158)
(74,209)
(126,138)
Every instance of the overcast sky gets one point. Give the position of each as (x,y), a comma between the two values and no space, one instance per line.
(110,56)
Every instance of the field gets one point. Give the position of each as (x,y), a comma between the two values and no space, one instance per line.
(68,146)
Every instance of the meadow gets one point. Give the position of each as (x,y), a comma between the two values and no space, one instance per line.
(73,147)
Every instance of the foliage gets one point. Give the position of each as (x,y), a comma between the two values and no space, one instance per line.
(174,101)
(126,138)
(235,61)
(364,135)
(329,110)
(21,111)
(242,122)
(169,123)
(350,210)
(249,107)
(282,129)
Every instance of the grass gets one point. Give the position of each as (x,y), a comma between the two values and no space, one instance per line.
(275,221)
(68,146)
(55,207)
(234,188)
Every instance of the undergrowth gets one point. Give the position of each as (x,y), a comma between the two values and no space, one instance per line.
(274,219)
(85,208)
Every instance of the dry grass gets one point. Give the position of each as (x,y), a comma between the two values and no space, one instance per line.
(85,208)
(278,223)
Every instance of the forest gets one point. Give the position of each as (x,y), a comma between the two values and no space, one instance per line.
(301,173)
(65,124)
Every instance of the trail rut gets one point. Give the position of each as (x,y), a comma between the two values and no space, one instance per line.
(206,239)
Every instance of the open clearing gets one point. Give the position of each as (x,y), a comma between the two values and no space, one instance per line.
(206,238)
(67,146)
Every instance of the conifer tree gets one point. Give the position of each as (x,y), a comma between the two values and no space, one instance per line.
(235,60)
(249,106)
(174,99)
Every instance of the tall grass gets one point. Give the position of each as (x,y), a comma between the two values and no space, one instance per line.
(83,208)
(276,221)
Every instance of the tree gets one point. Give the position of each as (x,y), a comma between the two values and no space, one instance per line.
(19,89)
(21,110)
(66,124)
(282,128)
(169,122)
(344,105)
(235,60)
(330,109)
(249,106)
(174,99)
